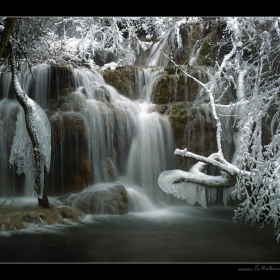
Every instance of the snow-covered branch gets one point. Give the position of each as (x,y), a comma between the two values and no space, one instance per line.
(215,160)
(253,175)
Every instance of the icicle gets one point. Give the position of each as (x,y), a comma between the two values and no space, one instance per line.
(190,192)
(22,149)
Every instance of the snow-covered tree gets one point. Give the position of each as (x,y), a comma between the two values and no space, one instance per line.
(88,41)
(250,70)
(31,149)
(82,40)
(100,40)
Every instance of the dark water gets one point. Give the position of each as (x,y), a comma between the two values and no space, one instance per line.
(190,234)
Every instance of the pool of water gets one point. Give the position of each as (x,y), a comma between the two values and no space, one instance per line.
(182,234)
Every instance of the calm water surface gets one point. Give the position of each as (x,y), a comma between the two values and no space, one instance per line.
(183,234)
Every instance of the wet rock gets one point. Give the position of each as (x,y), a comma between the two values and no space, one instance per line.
(61,81)
(71,169)
(171,85)
(191,130)
(207,34)
(71,213)
(103,199)
(169,88)
(16,218)
(124,79)
(66,107)
(61,100)
(77,100)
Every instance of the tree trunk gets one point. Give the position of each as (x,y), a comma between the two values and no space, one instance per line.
(6,34)
(22,99)
(44,201)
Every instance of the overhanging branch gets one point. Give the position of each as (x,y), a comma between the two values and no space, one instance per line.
(215,160)
(206,180)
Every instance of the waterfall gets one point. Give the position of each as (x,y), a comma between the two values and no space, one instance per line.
(151,152)
(195,53)
(111,121)
(36,86)
(123,139)
(6,81)
(147,79)
(154,54)
(41,88)
(156,57)
(126,141)
(8,115)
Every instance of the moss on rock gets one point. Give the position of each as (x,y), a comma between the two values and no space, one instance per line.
(13,217)
(123,79)
(190,129)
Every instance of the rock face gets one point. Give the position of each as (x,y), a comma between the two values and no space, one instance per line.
(170,86)
(71,167)
(103,199)
(124,79)
(201,37)
(198,45)
(191,130)
(61,82)
(174,86)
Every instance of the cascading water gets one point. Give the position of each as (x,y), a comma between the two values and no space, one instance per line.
(135,143)
(127,143)
(37,86)
(110,118)
(154,55)
(8,114)
(150,152)
(41,88)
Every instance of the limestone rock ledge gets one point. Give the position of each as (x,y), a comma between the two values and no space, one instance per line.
(103,198)
(17,217)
